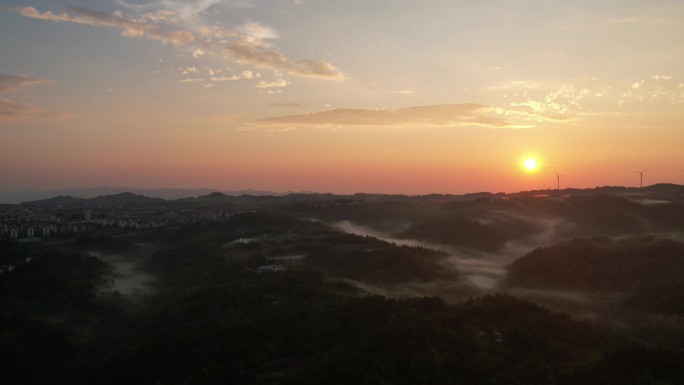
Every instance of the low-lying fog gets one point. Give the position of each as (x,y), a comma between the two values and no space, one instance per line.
(483,269)
(128,278)
(486,270)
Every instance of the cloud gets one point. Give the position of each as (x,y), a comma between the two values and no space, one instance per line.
(198,53)
(185,12)
(572,102)
(286,104)
(13,83)
(254,51)
(10,110)
(432,115)
(655,92)
(250,50)
(316,69)
(214,76)
(280,82)
(658,78)
(560,105)
(245,44)
(129,28)
(163,16)
(538,111)
(258,30)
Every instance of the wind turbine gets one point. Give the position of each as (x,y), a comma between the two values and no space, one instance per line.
(557,179)
(641,177)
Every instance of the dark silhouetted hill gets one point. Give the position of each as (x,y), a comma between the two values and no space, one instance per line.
(64,200)
(600,264)
(473,233)
(125,198)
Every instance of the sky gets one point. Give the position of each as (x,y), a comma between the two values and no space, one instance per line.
(376,96)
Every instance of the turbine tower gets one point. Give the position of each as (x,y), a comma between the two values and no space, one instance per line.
(558,179)
(641,177)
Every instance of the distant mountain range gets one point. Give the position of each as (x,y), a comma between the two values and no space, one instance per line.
(125,195)
(125,198)
(18,196)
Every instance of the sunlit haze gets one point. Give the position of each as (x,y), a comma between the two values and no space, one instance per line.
(386,96)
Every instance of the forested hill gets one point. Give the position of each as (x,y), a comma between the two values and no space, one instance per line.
(645,273)
(601,264)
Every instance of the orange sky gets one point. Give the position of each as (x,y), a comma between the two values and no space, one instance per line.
(340,97)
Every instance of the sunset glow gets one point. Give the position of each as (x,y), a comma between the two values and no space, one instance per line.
(343,97)
(530,164)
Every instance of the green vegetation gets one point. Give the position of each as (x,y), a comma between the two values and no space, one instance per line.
(647,273)
(211,318)
(472,233)
(53,327)
(368,259)
(600,264)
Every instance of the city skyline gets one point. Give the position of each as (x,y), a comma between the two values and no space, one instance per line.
(342,97)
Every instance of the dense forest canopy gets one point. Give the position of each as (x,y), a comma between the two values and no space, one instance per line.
(278,292)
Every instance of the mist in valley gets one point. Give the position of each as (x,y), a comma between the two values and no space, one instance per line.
(485,271)
(521,286)
(128,276)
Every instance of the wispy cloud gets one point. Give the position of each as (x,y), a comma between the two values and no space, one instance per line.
(10,110)
(198,53)
(279,83)
(537,111)
(432,115)
(258,30)
(208,75)
(658,78)
(251,50)
(661,89)
(180,24)
(403,92)
(129,28)
(270,91)
(315,69)
(286,104)
(13,83)
(560,105)
(569,103)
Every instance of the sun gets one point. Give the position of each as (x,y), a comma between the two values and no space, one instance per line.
(531,163)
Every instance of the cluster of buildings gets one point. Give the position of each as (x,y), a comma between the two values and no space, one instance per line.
(35,223)
(36,231)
